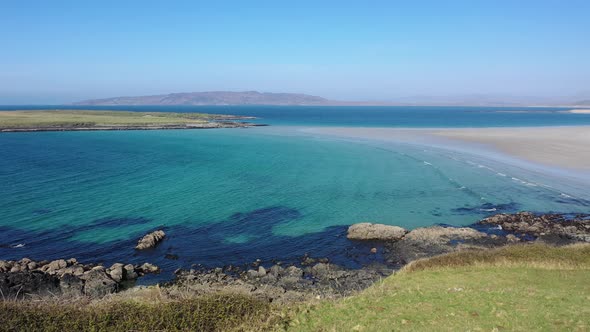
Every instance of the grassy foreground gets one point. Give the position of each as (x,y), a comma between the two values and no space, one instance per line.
(517,288)
(520,288)
(85,118)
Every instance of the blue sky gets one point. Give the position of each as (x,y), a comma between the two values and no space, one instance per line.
(63,51)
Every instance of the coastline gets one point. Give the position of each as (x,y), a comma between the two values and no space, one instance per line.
(562,151)
(211,125)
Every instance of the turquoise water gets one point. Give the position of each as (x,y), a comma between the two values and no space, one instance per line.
(234,195)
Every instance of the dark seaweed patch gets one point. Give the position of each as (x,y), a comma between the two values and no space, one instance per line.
(487,208)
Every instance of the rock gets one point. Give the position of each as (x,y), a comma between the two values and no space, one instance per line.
(261,271)
(130,273)
(150,240)
(276,270)
(512,238)
(435,240)
(368,231)
(116,272)
(98,284)
(373,250)
(252,274)
(15,285)
(5,266)
(71,285)
(54,266)
(148,268)
(293,271)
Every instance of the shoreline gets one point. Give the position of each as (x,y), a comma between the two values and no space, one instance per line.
(312,277)
(568,154)
(212,125)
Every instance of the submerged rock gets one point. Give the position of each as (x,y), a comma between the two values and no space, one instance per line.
(150,240)
(369,231)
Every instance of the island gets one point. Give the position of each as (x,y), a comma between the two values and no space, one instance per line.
(86,120)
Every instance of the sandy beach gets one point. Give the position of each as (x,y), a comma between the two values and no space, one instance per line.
(563,147)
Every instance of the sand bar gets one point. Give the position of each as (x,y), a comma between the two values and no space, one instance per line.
(564,147)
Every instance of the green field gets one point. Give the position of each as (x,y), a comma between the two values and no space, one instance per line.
(523,288)
(88,119)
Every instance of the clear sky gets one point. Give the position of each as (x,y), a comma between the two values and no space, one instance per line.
(63,51)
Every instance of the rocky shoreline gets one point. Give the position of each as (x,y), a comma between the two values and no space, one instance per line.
(312,277)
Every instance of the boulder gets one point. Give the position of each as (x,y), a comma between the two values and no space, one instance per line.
(54,266)
(130,273)
(98,284)
(116,272)
(150,240)
(379,232)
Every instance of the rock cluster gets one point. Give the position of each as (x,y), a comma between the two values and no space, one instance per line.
(150,240)
(369,231)
(553,228)
(67,277)
(278,283)
(402,248)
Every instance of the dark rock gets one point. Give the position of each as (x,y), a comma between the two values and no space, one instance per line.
(17,285)
(71,285)
(98,284)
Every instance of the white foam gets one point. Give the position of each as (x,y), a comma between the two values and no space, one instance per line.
(20,245)
(427,163)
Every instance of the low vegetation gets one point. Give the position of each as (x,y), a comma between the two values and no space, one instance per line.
(210,313)
(86,118)
(521,287)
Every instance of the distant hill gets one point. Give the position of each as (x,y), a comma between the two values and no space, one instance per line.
(268,98)
(216,98)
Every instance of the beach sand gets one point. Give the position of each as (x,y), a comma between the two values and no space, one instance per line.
(563,147)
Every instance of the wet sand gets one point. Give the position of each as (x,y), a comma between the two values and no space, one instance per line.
(563,147)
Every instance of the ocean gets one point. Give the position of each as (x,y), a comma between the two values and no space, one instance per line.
(231,196)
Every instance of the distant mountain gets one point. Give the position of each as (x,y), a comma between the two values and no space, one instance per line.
(267,98)
(216,98)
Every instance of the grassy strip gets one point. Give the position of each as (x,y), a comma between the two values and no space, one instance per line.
(520,288)
(212,313)
(85,118)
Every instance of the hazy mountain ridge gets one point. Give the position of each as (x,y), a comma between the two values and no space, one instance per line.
(299,99)
(216,98)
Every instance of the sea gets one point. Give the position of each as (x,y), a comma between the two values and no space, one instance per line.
(273,193)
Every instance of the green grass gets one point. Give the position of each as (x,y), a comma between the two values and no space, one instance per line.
(520,288)
(85,118)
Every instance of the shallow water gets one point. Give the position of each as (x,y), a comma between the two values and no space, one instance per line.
(230,196)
